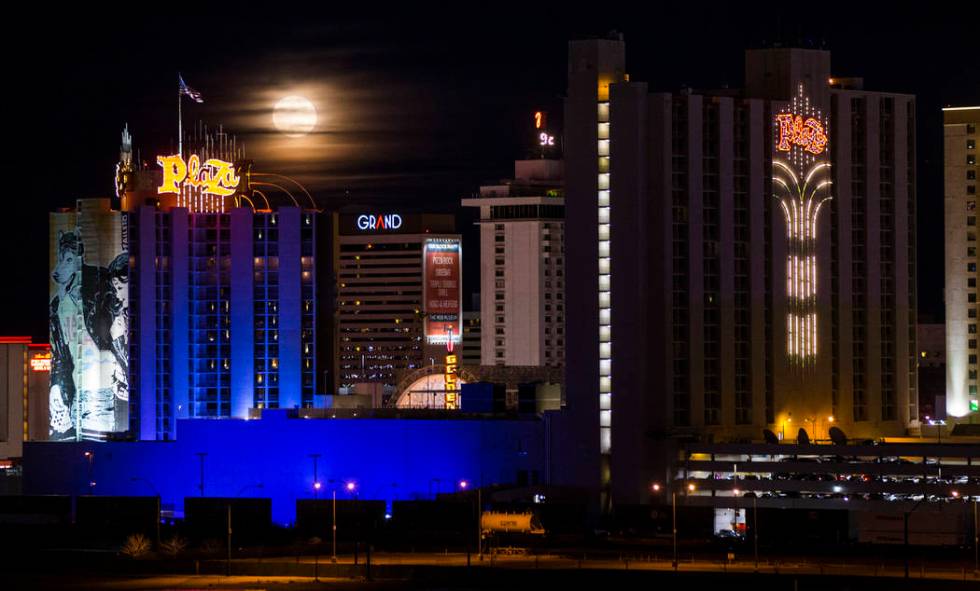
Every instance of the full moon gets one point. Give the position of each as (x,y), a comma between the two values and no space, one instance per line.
(294,115)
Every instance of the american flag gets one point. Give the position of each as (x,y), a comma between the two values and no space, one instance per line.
(193,94)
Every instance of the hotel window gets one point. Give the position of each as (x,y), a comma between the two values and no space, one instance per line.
(972,329)
(971,175)
(971,159)
(971,144)
(971,190)
(971,251)
(972,344)
(498,226)
(500,308)
(972,298)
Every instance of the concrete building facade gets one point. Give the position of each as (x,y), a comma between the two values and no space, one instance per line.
(522,266)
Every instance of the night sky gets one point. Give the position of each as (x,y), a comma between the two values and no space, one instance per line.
(417,109)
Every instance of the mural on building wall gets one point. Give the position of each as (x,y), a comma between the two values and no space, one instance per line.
(88,326)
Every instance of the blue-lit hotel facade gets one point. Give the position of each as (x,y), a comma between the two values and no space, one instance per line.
(222,314)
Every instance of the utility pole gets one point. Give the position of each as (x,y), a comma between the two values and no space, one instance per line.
(755,530)
(976,539)
(673,503)
(201,455)
(228,561)
(479,524)
(333,522)
(906,536)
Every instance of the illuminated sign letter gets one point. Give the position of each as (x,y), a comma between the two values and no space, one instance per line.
(174,173)
(808,134)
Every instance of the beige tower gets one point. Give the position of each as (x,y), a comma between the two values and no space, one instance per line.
(960,202)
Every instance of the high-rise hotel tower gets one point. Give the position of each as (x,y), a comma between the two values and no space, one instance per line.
(739,260)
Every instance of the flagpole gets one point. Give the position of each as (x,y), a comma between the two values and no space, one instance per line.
(180,121)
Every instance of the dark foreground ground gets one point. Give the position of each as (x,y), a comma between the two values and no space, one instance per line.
(452,572)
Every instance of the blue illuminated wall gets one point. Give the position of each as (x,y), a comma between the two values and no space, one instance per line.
(388,459)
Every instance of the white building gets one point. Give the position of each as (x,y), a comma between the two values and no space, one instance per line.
(522,279)
(960,145)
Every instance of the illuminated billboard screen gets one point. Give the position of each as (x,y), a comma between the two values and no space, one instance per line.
(88,318)
(442,291)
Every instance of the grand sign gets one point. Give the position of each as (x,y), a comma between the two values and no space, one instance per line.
(371,223)
(213,177)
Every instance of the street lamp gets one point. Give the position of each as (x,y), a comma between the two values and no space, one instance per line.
(463,485)
(316,481)
(333,520)
(90,456)
(673,502)
(938,424)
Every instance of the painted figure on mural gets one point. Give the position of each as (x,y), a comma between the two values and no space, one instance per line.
(64,310)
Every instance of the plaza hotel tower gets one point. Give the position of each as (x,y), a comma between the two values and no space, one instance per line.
(742,260)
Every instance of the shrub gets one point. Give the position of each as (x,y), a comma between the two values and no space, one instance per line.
(174,546)
(136,546)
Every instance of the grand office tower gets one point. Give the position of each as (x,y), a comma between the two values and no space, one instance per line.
(742,260)
(399,297)
(960,203)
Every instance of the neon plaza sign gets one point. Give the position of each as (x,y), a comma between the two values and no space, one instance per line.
(794,130)
(391,221)
(213,177)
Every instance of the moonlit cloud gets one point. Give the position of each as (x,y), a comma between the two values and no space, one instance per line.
(372,125)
